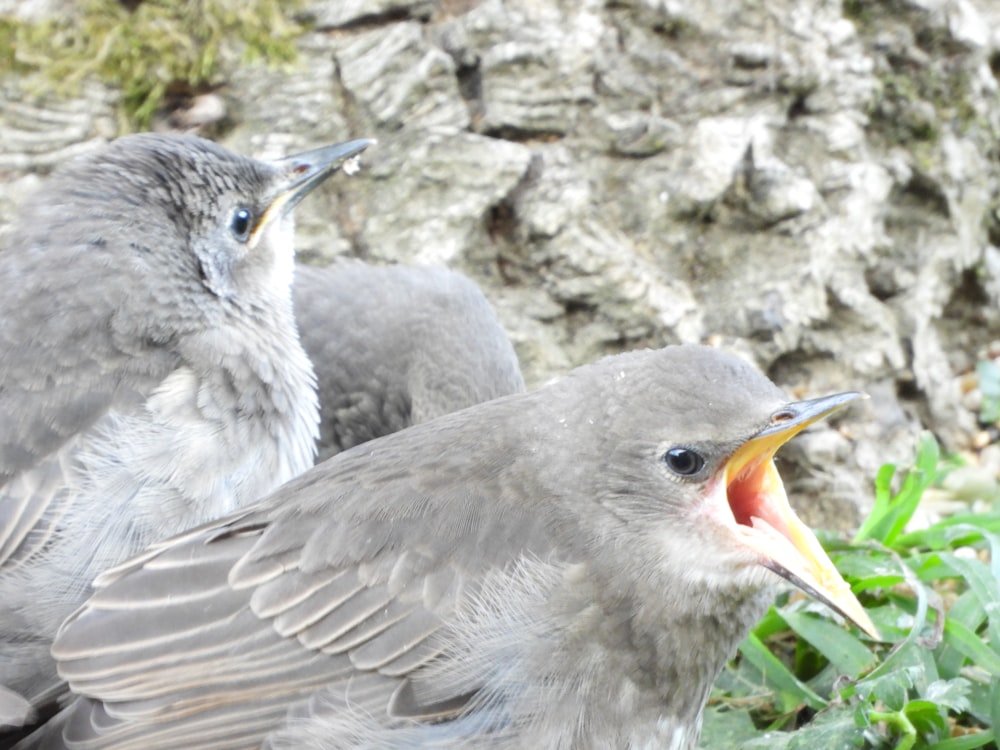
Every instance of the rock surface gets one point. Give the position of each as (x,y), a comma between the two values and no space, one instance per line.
(810,183)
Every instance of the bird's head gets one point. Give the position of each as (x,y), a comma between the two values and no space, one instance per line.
(246,241)
(186,225)
(689,488)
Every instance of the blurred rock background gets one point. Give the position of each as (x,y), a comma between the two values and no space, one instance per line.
(812,183)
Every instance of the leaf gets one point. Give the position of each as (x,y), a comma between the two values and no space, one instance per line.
(982,703)
(965,742)
(831,730)
(951,694)
(893,622)
(766,741)
(726,727)
(908,667)
(926,717)
(867,570)
(971,646)
(839,646)
(986,586)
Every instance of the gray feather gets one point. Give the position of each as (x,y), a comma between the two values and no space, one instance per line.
(520,585)
(397,345)
(151,375)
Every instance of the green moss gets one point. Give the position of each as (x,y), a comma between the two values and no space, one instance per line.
(147,50)
(856,10)
(915,104)
(924,90)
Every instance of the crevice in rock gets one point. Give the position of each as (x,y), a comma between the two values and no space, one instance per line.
(992,221)
(352,232)
(503,227)
(367,21)
(797,108)
(470,82)
(520,135)
(501,222)
(880,284)
(470,88)
(794,367)
(968,320)
(350,108)
(922,193)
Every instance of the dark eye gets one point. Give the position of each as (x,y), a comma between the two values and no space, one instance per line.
(683,461)
(241,224)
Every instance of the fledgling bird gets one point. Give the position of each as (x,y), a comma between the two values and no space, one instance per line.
(397,345)
(565,568)
(151,375)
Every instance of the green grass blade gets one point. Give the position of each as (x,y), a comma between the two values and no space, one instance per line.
(995,703)
(839,646)
(777,674)
(878,518)
(967,613)
(986,587)
(890,514)
(970,645)
(965,742)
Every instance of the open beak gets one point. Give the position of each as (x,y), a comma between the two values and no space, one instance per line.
(766,523)
(303,172)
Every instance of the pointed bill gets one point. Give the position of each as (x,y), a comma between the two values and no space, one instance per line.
(302,173)
(766,523)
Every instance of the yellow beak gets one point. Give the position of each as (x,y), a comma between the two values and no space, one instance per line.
(766,523)
(303,172)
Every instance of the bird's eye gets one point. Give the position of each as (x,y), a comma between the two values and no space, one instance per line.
(683,461)
(241,224)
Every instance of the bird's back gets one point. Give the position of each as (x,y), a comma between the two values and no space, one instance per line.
(397,345)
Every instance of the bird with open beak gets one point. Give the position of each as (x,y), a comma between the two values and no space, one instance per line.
(567,568)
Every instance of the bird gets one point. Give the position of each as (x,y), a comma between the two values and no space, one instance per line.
(567,567)
(151,375)
(397,345)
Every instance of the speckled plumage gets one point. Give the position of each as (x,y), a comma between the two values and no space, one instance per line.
(151,376)
(524,573)
(397,345)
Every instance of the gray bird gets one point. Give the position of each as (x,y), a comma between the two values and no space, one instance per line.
(567,568)
(151,376)
(397,345)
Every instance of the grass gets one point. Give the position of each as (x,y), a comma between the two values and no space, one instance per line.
(147,50)
(802,680)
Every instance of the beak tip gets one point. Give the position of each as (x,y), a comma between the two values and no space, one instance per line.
(305,171)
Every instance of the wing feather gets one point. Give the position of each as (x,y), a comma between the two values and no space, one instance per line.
(338,583)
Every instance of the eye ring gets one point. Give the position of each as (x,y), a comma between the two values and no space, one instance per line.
(240,224)
(684,462)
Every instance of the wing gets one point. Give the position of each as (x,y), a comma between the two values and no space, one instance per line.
(339,581)
(67,350)
(65,359)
